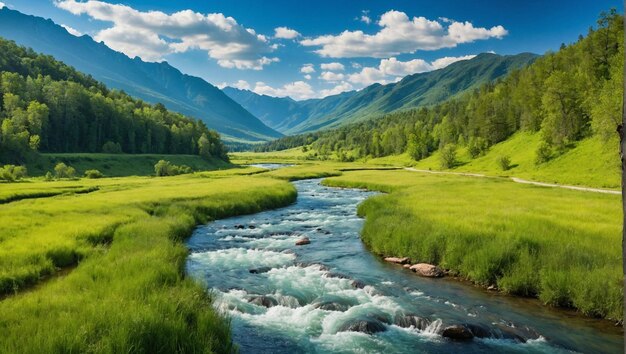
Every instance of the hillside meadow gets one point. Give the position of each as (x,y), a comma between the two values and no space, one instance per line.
(558,245)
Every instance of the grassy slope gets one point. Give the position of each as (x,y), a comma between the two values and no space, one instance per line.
(590,163)
(128,292)
(116,165)
(559,245)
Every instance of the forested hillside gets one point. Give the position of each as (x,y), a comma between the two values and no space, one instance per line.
(48,106)
(565,96)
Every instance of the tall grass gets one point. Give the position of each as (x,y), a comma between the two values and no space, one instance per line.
(128,293)
(558,245)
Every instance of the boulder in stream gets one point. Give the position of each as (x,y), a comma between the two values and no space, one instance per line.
(260,270)
(263,300)
(363,325)
(397,260)
(427,270)
(303,241)
(457,332)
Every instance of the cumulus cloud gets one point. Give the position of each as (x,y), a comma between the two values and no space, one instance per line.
(400,34)
(70,30)
(298,90)
(341,87)
(332,66)
(241,84)
(331,76)
(2,5)
(392,70)
(307,69)
(365,18)
(285,33)
(307,76)
(154,34)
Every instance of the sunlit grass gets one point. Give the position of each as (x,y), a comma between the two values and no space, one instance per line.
(559,245)
(128,292)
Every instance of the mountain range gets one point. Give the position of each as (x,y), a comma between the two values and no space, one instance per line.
(152,82)
(423,89)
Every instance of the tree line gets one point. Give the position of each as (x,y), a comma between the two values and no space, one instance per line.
(566,95)
(48,106)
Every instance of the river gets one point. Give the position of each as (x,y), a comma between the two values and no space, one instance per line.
(283,298)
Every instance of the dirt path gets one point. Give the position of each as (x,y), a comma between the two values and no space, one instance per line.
(523,181)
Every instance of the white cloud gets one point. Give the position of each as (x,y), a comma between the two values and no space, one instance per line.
(400,34)
(332,66)
(241,84)
(356,65)
(307,69)
(445,61)
(331,76)
(341,87)
(2,5)
(392,70)
(154,34)
(307,76)
(298,90)
(366,19)
(69,29)
(285,33)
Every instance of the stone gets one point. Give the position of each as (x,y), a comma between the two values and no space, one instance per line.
(368,326)
(406,321)
(427,270)
(303,241)
(260,270)
(407,266)
(397,260)
(457,332)
(263,300)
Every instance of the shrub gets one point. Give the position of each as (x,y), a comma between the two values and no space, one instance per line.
(448,156)
(504,162)
(111,148)
(48,177)
(543,154)
(166,168)
(12,173)
(62,170)
(93,174)
(477,147)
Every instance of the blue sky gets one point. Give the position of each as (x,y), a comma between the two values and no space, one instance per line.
(308,49)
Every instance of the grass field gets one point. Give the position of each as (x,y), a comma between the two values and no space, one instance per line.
(117,165)
(558,245)
(128,292)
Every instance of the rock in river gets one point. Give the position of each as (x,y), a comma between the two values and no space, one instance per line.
(368,326)
(263,300)
(260,270)
(457,332)
(303,241)
(406,321)
(427,270)
(397,260)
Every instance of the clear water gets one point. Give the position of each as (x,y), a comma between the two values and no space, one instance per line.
(270,166)
(223,253)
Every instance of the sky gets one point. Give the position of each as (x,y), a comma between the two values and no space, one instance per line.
(312,49)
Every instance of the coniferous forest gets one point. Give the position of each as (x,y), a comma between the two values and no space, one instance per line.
(48,106)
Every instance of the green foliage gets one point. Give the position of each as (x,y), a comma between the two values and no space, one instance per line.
(504,162)
(447,158)
(566,256)
(165,168)
(543,153)
(477,146)
(111,148)
(62,170)
(12,173)
(93,174)
(50,107)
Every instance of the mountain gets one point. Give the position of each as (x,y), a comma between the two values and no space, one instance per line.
(424,89)
(152,82)
(283,113)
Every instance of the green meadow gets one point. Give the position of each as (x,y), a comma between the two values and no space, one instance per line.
(103,271)
(561,246)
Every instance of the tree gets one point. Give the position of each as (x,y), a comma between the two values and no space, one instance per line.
(504,162)
(204,146)
(111,148)
(447,159)
(62,170)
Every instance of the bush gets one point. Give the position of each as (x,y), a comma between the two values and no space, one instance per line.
(48,177)
(62,170)
(477,147)
(12,173)
(111,148)
(93,174)
(543,154)
(448,156)
(504,162)
(166,168)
